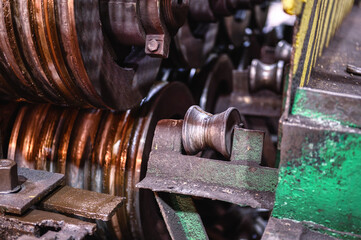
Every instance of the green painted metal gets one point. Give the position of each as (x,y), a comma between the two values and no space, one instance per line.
(181,216)
(188,216)
(247,145)
(320,180)
(214,172)
(328,108)
(240,181)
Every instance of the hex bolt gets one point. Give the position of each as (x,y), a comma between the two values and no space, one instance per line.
(8,176)
(202,130)
(153,45)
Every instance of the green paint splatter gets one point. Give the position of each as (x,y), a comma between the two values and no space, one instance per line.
(247,145)
(324,184)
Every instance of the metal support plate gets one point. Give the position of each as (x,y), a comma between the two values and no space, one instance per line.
(36,223)
(36,184)
(83,203)
(181,217)
(240,182)
(280,229)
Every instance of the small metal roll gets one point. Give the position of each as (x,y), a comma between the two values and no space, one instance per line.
(266,76)
(202,130)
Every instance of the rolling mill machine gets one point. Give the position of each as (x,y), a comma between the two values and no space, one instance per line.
(180,119)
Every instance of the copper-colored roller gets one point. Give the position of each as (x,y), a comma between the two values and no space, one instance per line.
(59,51)
(101,150)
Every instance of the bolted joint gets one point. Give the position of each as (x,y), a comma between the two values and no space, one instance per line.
(266,76)
(135,23)
(202,130)
(157,45)
(8,176)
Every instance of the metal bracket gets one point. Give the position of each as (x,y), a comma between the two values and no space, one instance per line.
(241,181)
(46,190)
(36,185)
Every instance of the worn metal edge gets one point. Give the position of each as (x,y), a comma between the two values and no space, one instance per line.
(242,197)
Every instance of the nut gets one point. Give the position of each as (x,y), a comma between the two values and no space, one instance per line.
(8,176)
(153,45)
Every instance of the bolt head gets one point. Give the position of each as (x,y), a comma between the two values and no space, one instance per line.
(153,45)
(8,175)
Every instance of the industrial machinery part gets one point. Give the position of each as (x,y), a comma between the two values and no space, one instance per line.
(320,131)
(169,170)
(283,51)
(285,163)
(150,23)
(195,40)
(319,143)
(267,76)
(256,91)
(33,225)
(8,176)
(68,52)
(317,25)
(100,151)
(20,217)
(240,180)
(201,130)
(262,108)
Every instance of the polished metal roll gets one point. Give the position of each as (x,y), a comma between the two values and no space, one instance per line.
(57,51)
(202,130)
(266,76)
(102,151)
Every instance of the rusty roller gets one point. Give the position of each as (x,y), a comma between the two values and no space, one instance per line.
(101,151)
(66,52)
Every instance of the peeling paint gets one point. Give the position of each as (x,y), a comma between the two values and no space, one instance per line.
(188,217)
(323,184)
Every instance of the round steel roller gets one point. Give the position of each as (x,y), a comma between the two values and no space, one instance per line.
(101,151)
(56,51)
